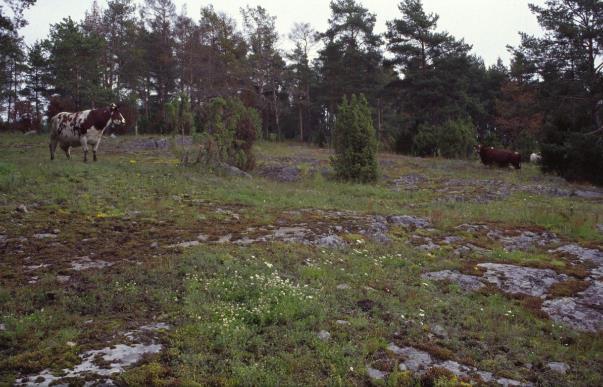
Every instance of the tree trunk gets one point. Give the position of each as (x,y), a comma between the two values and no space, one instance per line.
(301,122)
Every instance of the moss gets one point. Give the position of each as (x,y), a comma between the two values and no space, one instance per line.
(568,288)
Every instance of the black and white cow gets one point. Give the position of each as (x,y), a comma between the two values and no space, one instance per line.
(82,128)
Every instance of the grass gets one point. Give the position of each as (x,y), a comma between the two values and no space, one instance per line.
(250,315)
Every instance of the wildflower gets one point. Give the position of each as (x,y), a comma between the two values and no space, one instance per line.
(132,161)
(268,264)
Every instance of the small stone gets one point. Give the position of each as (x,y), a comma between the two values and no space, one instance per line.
(438,330)
(331,241)
(21,208)
(154,245)
(2,327)
(71,344)
(184,245)
(600,228)
(342,322)
(63,278)
(202,237)
(56,231)
(324,335)
(409,221)
(375,374)
(402,367)
(559,367)
(225,239)
(343,287)
(45,236)
(486,376)
(466,282)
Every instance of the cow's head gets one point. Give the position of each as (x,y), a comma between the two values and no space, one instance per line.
(116,118)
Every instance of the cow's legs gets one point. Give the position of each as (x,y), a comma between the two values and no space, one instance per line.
(84,142)
(67,149)
(53,146)
(95,149)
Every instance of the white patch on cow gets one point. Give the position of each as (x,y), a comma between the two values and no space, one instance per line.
(535,158)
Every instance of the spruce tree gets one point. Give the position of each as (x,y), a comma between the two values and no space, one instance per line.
(355,142)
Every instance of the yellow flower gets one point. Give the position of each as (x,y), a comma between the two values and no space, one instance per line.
(132,161)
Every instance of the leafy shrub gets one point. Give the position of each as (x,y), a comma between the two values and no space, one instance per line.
(454,139)
(231,128)
(354,141)
(579,157)
(179,115)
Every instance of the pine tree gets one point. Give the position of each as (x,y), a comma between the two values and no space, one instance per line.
(351,60)
(355,142)
(566,63)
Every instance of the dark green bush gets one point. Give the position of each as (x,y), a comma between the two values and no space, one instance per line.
(231,129)
(454,139)
(355,142)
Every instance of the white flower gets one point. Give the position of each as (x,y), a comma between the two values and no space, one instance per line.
(268,264)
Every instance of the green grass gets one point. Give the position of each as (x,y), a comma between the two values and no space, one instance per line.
(250,315)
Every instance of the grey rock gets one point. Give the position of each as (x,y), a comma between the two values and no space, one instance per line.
(2,327)
(231,170)
(439,331)
(155,245)
(415,360)
(224,239)
(291,234)
(588,194)
(451,239)
(584,255)
(457,368)
(409,182)
(526,240)
(408,221)
(583,312)
(559,367)
(466,282)
(509,382)
(343,287)
(523,280)
(184,245)
(375,374)
(22,208)
(324,335)
(600,228)
(342,322)
(85,263)
(281,173)
(429,246)
(63,278)
(45,236)
(380,238)
(485,376)
(331,241)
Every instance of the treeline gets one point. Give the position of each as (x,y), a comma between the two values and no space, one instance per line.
(427,93)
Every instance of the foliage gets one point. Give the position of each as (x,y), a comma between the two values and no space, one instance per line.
(453,139)
(232,128)
(179,117)
(566,61)
(354,141)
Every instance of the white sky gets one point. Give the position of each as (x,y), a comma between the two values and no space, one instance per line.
(489,25)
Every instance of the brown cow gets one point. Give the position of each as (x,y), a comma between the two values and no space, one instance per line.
(500,157)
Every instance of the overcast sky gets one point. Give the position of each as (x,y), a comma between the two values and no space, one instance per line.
(488,25)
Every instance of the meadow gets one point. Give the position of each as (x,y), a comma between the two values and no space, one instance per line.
(287,277)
